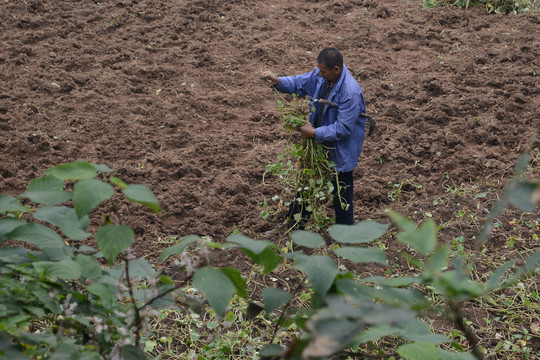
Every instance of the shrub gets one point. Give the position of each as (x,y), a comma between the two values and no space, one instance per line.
(62,299)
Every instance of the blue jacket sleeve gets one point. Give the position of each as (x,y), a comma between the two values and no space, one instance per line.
(300,85)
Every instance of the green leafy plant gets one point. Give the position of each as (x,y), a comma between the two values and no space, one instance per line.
(65,293)
(60,296)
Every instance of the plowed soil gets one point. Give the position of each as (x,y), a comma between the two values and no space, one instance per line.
(169,93)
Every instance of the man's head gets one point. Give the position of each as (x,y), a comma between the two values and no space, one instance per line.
(330,64)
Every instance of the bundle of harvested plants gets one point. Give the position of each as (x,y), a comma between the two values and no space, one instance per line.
(308,176)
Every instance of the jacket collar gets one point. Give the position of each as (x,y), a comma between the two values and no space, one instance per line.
(337,85)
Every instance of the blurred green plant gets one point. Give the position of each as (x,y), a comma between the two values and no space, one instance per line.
(62,299)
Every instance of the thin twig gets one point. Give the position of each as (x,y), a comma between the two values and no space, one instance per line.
(298,288)
(458,320)
(138,319)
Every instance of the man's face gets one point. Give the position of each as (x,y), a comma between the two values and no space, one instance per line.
(330,74)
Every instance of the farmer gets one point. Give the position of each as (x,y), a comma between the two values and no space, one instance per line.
(338,125)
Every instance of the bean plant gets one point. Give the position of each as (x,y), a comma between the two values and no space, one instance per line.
(307,175)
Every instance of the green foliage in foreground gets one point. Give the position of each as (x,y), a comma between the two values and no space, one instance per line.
(493,6)
(61,299)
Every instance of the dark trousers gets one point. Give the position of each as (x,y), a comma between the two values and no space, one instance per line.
(343,216)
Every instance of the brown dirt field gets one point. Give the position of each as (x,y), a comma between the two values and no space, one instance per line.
(169,94)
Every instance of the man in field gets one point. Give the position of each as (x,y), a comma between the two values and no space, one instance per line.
(337,124)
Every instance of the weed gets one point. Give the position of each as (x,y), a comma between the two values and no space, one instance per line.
(403,189)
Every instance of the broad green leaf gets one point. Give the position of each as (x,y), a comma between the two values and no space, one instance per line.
(89,355)
(274,298)
(374,333)
(267,258)
(384,294)
(53,254)
(449,355)
(400,281)
(353,288)
(48,191)
(77,170)
(113,239)
(423,239)
(10,350)
(36,338)
(65,269)
(256,246)
(336,327)
(37,234)
(362,255)
(216,287)
(66,219)
(307,239)
(47,302)
(272,350)
(88,193)
(237,280)
(260,251)
(363,232)
(91,268)
(177,248)
(253,309)
(525,195)
(531,264)
(8,224)
(102,168)
(458,287)
(19,255)
(521,163)
(439,260)
(118,182)
(141,268)
(418,331)
(11,204)
(415,326)
(133,353)
(103,291)
(418,351)
(142,195)
(321,271)
(19,321)
(495,280)
(66,351)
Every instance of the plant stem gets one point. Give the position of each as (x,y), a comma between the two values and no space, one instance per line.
(298,288)
(138,319)
(457,316)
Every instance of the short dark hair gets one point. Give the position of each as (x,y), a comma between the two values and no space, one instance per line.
(330,57)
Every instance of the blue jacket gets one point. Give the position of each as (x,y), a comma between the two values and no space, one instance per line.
(342,128)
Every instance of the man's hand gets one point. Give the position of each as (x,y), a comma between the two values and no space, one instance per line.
(307,131)
(270,78)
